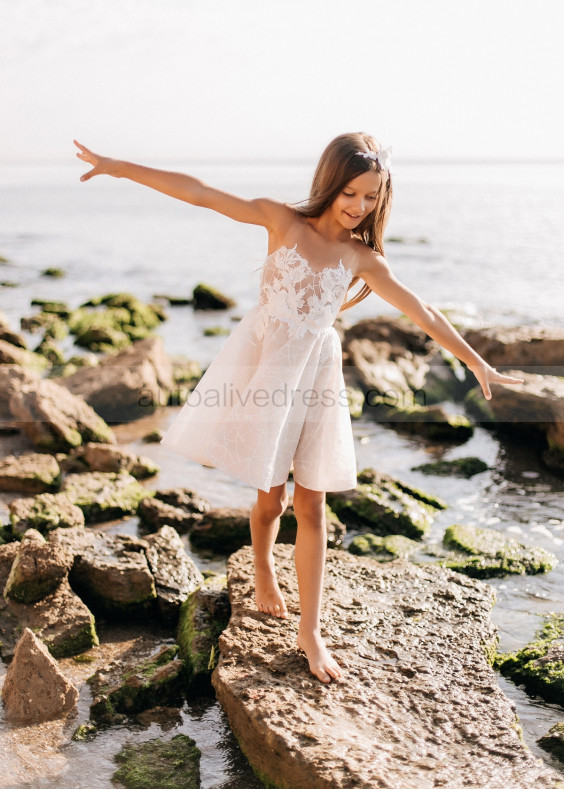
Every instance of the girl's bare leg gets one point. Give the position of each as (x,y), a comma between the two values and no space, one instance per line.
(265,523)
(311,543)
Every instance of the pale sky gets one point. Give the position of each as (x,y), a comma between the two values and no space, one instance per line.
(179,79)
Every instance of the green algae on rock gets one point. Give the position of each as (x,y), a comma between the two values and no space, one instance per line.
(482,553)
(385,506)
(44,512)
(553,741)
(539,666)
(391,545)
(205,297)
(103,496)
(157,679)
(458,467)
(203,617)
(160,764)
(31,473)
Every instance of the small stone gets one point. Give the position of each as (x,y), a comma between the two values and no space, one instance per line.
(35,689)
(154,763)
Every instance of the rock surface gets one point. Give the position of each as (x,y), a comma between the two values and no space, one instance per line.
(103,496)
(44,512)
(35,689)
(482,553)
(523,347)
(94,457)
(128,385)
(419,704)
(156,763)
(31,473)
(38,569)
(175,573)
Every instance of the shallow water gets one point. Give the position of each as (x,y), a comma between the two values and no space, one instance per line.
(484,241)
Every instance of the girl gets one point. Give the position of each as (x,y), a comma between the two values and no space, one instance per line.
(275,396)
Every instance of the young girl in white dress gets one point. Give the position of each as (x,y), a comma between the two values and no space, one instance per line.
(281,365)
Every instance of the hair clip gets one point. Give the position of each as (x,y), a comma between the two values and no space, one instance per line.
(383,156)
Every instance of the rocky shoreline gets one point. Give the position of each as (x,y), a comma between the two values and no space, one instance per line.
(424,629)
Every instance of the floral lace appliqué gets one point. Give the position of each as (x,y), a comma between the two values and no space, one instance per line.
(295,294)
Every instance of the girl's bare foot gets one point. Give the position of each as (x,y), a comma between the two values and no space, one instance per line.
(321,662)
(268,596)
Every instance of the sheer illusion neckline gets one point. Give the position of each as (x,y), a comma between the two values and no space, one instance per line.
(294,251)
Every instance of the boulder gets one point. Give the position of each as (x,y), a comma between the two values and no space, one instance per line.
(391,546)
(483,553)
(539,666)
(533,348)
(385,506)
(53,418)
(125,689)
(60,619)
(111,574)
(205,297)
(553,741)
(203,617)
(175,574)
(180,508)
(35,689)
(419,703)
(459,467)
(15,355)
(31,473)
(128,385)
(44,512)
(95,457)
(157,763)
(37,570)
(103,496)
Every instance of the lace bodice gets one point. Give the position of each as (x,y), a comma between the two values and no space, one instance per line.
(295,294)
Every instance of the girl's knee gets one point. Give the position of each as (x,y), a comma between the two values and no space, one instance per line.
(272,505)
(309,505)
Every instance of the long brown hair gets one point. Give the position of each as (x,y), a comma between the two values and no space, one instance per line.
(338,165)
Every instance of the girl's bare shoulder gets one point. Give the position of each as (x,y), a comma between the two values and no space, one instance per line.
(368,259)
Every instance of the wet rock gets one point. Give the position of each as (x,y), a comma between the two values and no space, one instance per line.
(111,574)
(95,457)
(60,619)
(537,348)
(483,553)
(203,617)
(38,569)
(385,506)
(130,688)
(35,689)
(391,545)
(224,530)
(175,574)
(44,512)
(539,666)
(53,271)
(157,763)
(128,385)
(204,297)
(53,418)
(103,496)
(31,473)
(167,718)
(433,422)
(85,732)
(180,508)
(49,306)
(459,467)
(553,741)
(419,699)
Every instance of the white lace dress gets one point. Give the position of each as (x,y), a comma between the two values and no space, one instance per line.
(275,393)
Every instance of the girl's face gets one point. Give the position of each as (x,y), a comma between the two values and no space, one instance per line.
(356,200)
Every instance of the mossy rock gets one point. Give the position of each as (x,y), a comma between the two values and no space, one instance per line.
(385,506)
(429,421)
(103,496)
(203,616)
(459,467)
(205,297)
(392,545)
(477,406)
(539,666)
(85,732)
(53,271)
(158,679)
(49,306)
(355,400)
(44,512)
(51,352)
(483,553)
(553,741)
(212,331)
(154,763)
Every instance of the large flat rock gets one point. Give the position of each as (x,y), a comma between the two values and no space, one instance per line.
(419,705)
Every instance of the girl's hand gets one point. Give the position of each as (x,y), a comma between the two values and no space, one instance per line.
(487,375)
(101,165)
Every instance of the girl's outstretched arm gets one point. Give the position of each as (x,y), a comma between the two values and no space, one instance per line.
(260,211)
(376,273)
